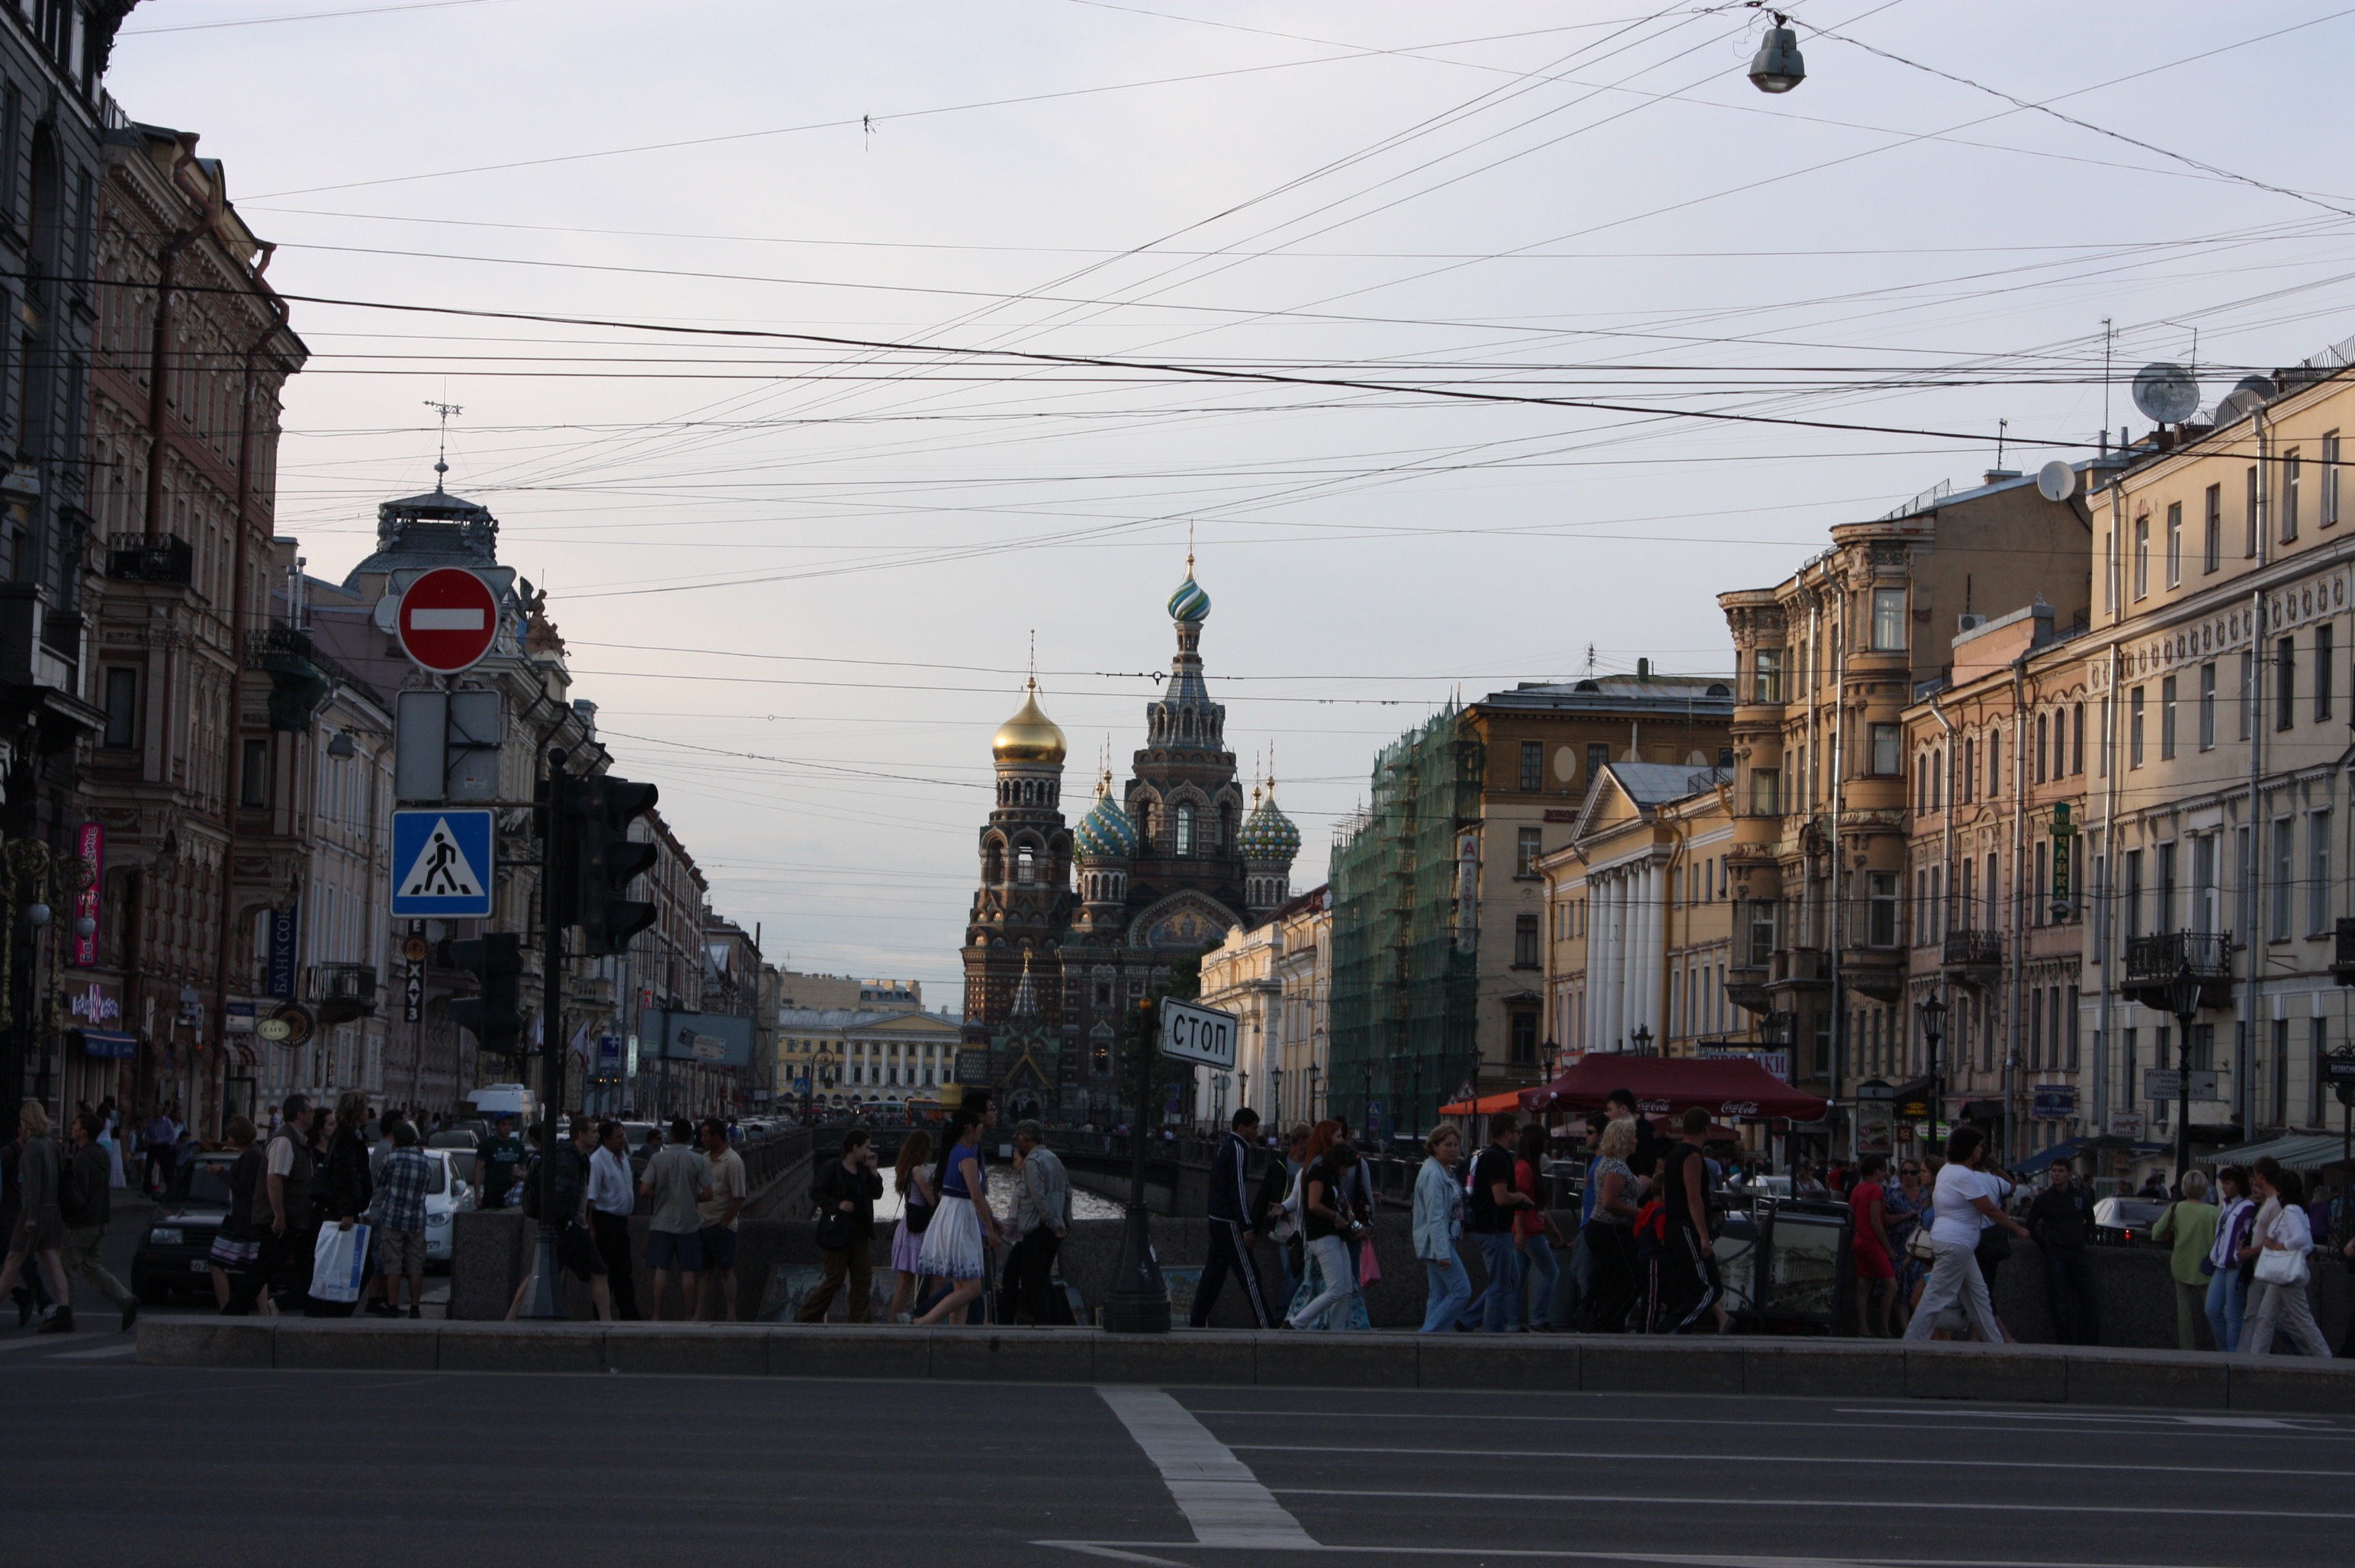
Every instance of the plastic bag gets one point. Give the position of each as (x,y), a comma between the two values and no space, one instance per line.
(339,1265)
(1369,1270)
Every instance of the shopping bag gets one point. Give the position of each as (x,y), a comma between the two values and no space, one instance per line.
(1369,1270)
(339,1265)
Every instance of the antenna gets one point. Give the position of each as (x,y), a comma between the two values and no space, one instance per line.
(2003,429)
(441,455)
(2108,338)
(2166,392)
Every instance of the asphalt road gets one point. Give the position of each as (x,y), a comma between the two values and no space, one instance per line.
(105,1460)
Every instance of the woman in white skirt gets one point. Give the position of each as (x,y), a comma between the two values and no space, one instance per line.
(913,1177)
(954,1241)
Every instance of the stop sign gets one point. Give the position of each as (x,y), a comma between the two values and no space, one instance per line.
(448,618)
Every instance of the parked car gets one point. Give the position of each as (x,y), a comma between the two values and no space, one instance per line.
(460,1135)
(2121,1220)
(172,1258)
(450,1190)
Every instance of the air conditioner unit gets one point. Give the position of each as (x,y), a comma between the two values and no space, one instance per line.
(1968,624)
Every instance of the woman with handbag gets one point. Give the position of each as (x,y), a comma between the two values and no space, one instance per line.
(911,1176)
(1968,1201)
(1332,1224)
(2190,1224)
(2280,1303)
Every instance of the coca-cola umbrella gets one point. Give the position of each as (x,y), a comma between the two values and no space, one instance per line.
(1727,1087)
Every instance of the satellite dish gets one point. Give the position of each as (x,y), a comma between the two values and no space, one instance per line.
(2262,385)
(2056,481)
(2166,393)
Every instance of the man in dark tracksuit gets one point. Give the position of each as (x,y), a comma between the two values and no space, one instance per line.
(1231,1224)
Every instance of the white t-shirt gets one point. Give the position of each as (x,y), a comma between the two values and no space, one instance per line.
(1956,1220)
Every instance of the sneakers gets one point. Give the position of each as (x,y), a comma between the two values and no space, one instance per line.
(377,1308)
(130,1314)
(60,1321)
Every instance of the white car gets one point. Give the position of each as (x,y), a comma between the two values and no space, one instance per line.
(447,1191)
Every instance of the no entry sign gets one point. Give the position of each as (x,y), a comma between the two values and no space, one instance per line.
(448,618)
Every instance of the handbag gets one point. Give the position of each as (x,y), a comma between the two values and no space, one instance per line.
(339,1263)
(2284,1265)
(1918,1246)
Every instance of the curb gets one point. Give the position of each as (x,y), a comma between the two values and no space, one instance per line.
(2051,1374)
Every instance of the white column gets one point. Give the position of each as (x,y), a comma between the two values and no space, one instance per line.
(1647,976)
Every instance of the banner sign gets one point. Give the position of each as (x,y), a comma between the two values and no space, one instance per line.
(90,846)
(284,927)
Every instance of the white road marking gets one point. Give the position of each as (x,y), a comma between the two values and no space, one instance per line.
(102,1353)
(33,1341)
(1625,1499)
(1119,1550)
(2162,1418)
(1815,1459)
(1218,1495)
(2122,1424)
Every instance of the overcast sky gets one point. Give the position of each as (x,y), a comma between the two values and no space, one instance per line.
(800,579)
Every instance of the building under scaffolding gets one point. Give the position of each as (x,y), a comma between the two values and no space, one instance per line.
(1405,933)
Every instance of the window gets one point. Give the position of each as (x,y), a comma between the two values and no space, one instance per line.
(2279,1073)
(2245,856)
(2162,916)
(2203,884)
(2324,635)
(1938,779)
(2318,1036)
(1525,1039)
(2130,894)
(2330,479)
(1766,674)
(1889,620)
(1532,765)
(2040,748)
(1886,749)
(2208,708)
(2212,544)
(1968,781)
(2318,873)
(2070,1014)
(2141,557)
(1025,866)
(1880,909)
(2166,718)
(2291,485)
(1922,784)
(121,706)
(2077,739)
(2134,728)
(1766,792)
(2248,691)
(2249,511)
(1525,942)
(2174,544)
(2277,913)
(1762,932)
(2036,895)
(1526,848)
(253,789)
(2285,683)
(1597,759)
(1995,764)
(1185,830)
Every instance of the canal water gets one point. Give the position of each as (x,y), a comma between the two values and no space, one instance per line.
(1084,1205)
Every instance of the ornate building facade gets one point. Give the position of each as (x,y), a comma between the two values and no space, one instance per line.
(1078,922)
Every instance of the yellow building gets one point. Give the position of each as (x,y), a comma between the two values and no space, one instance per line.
(1640,918)
(844,1057)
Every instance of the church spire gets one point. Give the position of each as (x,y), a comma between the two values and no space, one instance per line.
(1026,998)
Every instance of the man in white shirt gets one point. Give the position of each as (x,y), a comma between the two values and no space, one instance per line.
(612,1198)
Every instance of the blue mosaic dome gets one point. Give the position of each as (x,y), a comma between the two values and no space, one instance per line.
(1105,833)
(1267,834)
(1190,604)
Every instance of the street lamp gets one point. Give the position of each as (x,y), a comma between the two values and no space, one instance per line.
(2183,1001)
(1313,1075)
(1933,1029)
(1641,1039)
(1776,66)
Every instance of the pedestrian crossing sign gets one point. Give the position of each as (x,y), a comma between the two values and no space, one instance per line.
(442,864)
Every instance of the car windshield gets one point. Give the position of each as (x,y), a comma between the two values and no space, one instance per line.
(208,1182)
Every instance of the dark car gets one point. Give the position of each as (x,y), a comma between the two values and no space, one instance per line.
(172,1257)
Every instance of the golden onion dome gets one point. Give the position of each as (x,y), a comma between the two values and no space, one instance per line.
(1030,736)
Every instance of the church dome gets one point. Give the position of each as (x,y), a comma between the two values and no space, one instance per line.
(1267,834)
(1105,833)
(1190,604)
(1030,736)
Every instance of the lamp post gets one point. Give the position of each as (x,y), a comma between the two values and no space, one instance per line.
(1139,1300)
(1933,1029)
(1314,1073)
(2183,1001)
(1641,1039)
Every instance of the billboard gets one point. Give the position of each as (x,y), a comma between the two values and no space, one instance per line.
(723,1039)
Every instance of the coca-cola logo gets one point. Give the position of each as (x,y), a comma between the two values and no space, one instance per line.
(1738,1108)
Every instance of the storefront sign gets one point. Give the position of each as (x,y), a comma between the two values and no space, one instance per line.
(94,1006)
(90,846)
(283,929)
(238,1017)
(2055,1102)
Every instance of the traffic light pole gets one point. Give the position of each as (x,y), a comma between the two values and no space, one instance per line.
(546,1298)
(1139,1303)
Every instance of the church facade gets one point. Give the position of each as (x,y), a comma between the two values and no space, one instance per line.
(1071,924)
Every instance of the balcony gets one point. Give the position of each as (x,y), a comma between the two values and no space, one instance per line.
(1875,972)
(139,557)
(339,993)
(2154,962)
(1973,950)
(39,645)
(297,685)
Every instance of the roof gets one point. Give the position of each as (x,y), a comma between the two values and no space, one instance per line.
(846,1020)
(1698,694)
(1657,783)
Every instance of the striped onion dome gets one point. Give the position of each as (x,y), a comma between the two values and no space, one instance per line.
(1267,834)
(1105,833)
(1190,604)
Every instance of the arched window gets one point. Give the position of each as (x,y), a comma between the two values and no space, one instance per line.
(1186,724)
(1185,830)
(1025,869)
(995,871)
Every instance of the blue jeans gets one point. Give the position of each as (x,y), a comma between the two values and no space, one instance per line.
(1451,1292)
(1500,1305)
(2225,1304)
(1539,1270)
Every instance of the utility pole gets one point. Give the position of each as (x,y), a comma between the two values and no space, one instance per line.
(547,1287)
(1139,1303)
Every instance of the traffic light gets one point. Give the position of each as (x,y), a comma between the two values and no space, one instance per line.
(496,1016)
(606,860)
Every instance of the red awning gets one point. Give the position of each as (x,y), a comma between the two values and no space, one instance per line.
(1726,1087)
(1485,1105)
